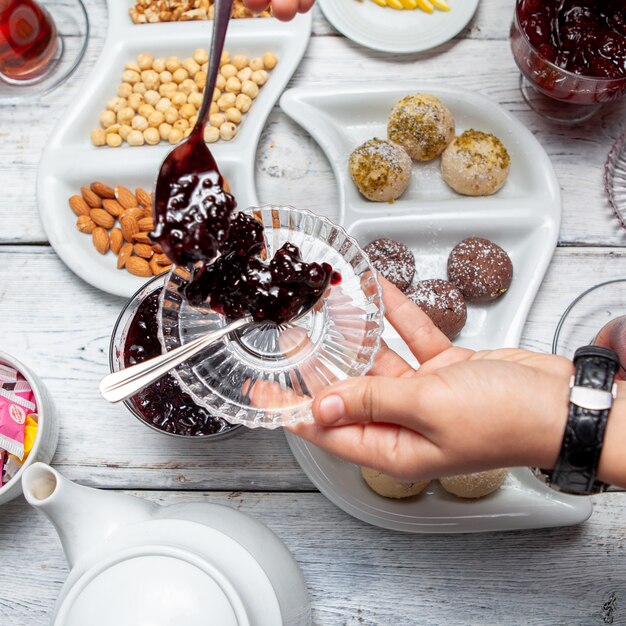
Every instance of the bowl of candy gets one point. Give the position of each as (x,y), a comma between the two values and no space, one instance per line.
(267,373)
(28,425)
(571,55)
(163,406)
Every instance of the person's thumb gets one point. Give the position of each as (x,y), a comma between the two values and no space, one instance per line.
(370,399)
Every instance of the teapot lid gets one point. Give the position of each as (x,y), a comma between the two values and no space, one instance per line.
(156,582)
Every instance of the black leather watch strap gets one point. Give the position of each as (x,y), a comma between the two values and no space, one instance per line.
(592,387)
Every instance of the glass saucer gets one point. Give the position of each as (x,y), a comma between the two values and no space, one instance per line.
(72,24)
(587,315)
(267,375)
(615,178)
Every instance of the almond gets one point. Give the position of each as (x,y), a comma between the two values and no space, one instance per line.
(100,238)
(135,212)
(142,238)
(113,207)
(91,198)
(125,252)
(146,224)
(157,248)
(104,191)
(125,197)
(166,268)
(129,227)
(138,266)
(162,259)
(144,198)
(79,206)
(155,267)
(102,218)
(147,212)
(117,239)
(143,250)
(85,224)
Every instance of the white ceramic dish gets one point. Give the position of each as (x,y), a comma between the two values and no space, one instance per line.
(524,218)
(70,160)
(47,430)
(402,32)
(522,502)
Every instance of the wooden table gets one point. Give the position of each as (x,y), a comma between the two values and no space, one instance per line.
(357,574)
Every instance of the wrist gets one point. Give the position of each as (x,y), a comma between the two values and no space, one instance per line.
(612,466)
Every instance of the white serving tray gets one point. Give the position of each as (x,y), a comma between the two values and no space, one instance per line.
(71,161)
(400,32)
(524,218)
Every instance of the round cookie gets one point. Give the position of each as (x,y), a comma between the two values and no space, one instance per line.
(393,260)
(480,269)
(475,164)
(388,487)
(422,125)
(443,303)
(381,170)
(475,485)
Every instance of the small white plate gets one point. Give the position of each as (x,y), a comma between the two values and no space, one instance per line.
(71,161)
(402,32)
(523,217)
(522,502)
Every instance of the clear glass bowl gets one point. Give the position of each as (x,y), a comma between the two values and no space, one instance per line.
(587,315)
(116,359)
(615,178)
(553,92)
(267,375)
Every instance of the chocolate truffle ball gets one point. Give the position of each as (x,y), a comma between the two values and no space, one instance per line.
(393,260)
(388,487)
(477,485)
(381,170)
(443,303)
(422,125)
(475,164)
(480,269)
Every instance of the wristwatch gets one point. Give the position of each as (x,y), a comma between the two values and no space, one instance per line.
(592,392)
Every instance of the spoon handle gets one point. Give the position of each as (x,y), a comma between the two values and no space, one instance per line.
(121,385)
(223,9)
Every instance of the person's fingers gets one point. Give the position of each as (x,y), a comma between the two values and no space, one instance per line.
(285,10)
(305,5)
(399,452)
(377,399)
(256,6)
(389,363)
(417,330)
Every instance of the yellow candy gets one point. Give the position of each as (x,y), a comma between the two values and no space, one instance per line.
(440,4)
(30,434)
(409,5)
(425,6)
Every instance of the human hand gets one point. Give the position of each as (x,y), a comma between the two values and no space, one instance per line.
(284,10)
(461,411)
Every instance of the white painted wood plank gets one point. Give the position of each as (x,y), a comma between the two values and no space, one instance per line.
(291,168)
(362,575)
(64,334)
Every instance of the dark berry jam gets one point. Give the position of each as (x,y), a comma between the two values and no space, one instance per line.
(164,404)
(241,283)
(586,37)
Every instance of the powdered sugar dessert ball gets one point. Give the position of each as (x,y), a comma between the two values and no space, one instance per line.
(443,303)
(475,164)
(480,269)
(422,125)
(393,260)
(389,487)
(477,485)
(380,170)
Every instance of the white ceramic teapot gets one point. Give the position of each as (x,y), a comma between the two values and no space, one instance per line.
(135,563)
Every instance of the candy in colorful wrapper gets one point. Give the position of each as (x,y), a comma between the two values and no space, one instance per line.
(30,434)
(20,388)
(2,453)
(13,412)
(8,373)
(11,467)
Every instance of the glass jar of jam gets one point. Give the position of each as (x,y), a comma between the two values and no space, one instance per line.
(163,406)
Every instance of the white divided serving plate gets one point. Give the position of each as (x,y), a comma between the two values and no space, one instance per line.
(71,161)
(523,217)
(402,32)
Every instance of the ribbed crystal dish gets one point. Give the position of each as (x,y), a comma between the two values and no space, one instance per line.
(267,375)
(615,178)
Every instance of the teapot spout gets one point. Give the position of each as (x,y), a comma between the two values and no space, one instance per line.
(83,517)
